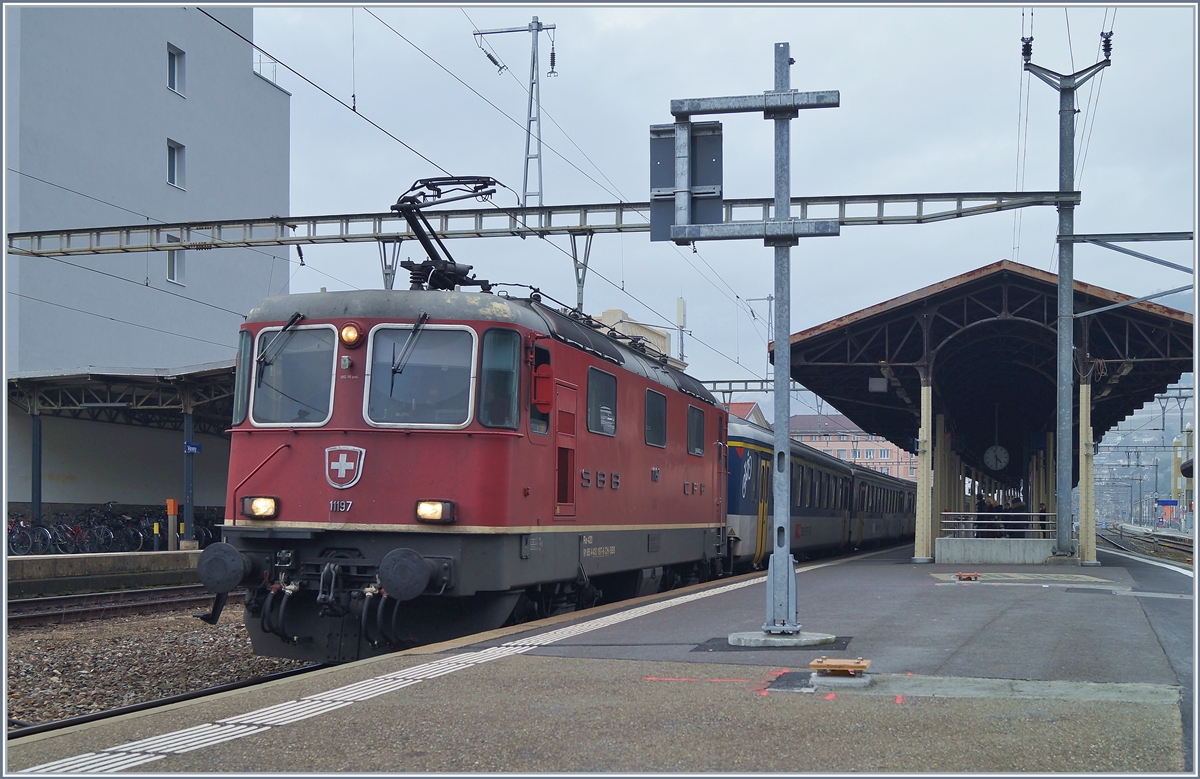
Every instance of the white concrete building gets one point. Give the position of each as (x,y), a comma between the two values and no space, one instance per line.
(132,116)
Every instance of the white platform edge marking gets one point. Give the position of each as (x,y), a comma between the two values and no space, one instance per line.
(178,742)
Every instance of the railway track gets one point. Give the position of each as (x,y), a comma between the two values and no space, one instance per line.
(61,609)
(19,729)
(1174,549)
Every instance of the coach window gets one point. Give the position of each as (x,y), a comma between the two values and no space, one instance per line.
(656,418)
(695,431)
(602,402)
(498,379)
(294,376)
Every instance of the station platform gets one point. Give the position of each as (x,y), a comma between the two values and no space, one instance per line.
(1027,669)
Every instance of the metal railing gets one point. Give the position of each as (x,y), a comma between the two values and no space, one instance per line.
(264,65)
(999,524)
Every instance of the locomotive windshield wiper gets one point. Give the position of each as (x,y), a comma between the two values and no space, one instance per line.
(399,363)
(277,343)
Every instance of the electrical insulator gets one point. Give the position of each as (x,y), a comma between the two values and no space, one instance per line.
(1107,44)
(1027,48)
(496,62)
(553,60)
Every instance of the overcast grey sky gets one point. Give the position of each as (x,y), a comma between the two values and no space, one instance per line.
(933,99)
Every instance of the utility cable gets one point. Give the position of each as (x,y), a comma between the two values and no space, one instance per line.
(163,221)
(121,321)
(489,102)
(618,193)
(1096,88)
(324,91)
(143,286)
(413,150)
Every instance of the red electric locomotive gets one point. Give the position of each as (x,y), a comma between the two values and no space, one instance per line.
(409,466)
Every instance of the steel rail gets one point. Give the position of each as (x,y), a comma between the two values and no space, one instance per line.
(44,727)
(61,609)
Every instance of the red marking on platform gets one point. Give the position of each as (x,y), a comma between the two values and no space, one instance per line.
(761,691)
(908,673)
(831,696)
(778,671)
(670,679)
(743,681)
(899,699)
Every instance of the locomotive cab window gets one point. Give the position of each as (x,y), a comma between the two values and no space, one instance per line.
(294,376)
(498,380)
(602,402)
(695,431)
(241,377)
(420,376)
(656,418)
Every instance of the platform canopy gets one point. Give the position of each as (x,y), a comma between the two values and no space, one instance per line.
(155,397)
(987,341)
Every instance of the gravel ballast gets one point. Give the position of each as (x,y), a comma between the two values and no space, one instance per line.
(61,671)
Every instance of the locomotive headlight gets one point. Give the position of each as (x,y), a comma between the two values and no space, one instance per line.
(435,511)
(351,335)
(260,507)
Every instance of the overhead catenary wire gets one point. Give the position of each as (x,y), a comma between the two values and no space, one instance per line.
(326,92)
(1095,88)
(163,221)
(516,122)
(1022,138)
(121,321)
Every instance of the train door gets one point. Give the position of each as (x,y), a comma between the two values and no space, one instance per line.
(764,506)
(564,435)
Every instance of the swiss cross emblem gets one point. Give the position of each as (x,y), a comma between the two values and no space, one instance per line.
(343,465)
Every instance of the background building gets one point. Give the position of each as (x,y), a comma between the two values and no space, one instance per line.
(837,436)
(132,116)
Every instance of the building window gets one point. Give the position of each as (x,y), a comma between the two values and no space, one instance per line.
(175,70)
(175,163)
(656,418)
(885,454)
(602,402)
(886,471)
(825,437)
(175,264)
(870,453)
(695,430)
(853,454)
(841,438)
(841,454)
(912,471)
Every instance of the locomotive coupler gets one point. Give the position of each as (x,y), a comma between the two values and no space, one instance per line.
(327,592)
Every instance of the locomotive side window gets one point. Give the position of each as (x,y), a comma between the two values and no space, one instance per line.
(420,376)
(695,431)
(241,377)
(498,380)
(539,421)
(656,418)
(602,402)
(294,378)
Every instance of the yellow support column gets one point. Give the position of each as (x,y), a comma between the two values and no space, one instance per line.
(923,543)
(940,473)
(1087,495)
(1051,461)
